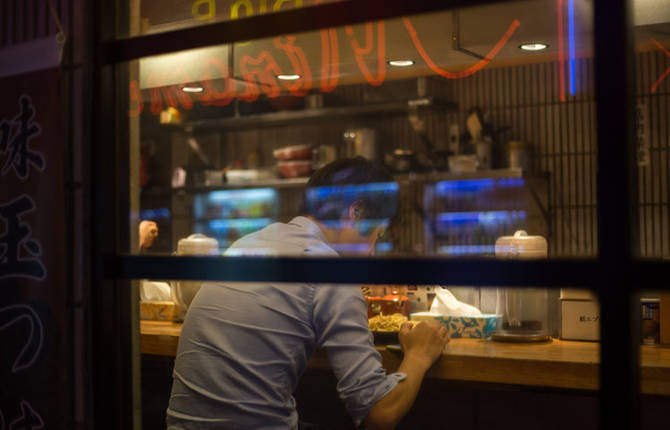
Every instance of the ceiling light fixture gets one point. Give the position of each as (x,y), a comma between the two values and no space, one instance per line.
(401,63)
(193,89)
(288,77)
(534,46)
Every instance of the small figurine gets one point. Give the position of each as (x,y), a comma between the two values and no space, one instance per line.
(148,234)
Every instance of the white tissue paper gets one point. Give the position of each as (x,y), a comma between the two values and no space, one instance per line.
(461,319)
(151,291)
(446,304)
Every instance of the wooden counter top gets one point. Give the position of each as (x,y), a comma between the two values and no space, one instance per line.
(559,363)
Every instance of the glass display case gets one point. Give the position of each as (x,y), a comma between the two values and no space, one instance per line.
(467,216)
(227,215)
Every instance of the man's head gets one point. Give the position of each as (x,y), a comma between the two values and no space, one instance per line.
(353,197)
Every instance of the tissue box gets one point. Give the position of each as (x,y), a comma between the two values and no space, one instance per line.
(479,326)
(158,311)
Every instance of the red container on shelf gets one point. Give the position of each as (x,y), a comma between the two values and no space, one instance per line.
(295,152)
(295,169)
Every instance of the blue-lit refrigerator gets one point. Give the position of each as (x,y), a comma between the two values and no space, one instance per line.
(227,215)
(468,215)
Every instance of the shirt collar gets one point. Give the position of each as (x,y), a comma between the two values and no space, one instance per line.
(310,226)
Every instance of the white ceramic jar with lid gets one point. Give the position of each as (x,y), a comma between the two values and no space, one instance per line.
(521,246)
(524,310)
(183,292)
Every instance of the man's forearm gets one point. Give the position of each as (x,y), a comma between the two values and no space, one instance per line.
(390,409)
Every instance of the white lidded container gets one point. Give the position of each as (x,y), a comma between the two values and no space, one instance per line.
(524,310)
(183,292)
(521,246)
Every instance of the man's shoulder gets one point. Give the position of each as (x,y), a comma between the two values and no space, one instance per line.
(280,239)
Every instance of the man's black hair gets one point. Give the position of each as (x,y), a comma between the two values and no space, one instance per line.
(332,189)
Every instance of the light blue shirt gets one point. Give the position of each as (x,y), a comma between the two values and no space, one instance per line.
(243,347)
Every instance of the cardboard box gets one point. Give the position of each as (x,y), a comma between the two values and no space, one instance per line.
(580,320)
(463,326)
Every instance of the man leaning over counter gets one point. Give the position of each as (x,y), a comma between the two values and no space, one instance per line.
(243,347)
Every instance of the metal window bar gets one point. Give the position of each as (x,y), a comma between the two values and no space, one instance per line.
(611,25)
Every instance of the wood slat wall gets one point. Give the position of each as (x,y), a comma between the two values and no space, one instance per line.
(654,178)
(561,136)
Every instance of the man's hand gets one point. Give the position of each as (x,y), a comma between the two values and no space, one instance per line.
(424,342)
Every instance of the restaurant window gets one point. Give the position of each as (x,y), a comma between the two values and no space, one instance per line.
(489,145)
(483,117)
(491,137)
(652,129)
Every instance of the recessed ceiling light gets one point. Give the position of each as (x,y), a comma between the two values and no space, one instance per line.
(535,46)
(193,89)
(288,77)
(401,63)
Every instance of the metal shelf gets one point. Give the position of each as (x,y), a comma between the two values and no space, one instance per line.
(325,113)
(451,176)
(404,178)
(268,183)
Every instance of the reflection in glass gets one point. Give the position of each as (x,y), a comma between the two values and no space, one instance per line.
(479,147)
(652,127)
(156,16)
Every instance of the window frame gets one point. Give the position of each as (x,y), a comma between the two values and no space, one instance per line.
(615,274)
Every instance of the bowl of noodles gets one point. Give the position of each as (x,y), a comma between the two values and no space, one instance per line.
(385,328)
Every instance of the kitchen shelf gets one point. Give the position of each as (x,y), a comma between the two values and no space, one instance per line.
(273,119)
(268,183)
(403,179)
(451,176)
(235,222)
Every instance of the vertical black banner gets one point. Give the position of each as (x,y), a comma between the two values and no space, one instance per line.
(34,357)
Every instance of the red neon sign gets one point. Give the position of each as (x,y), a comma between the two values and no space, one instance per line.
(667,71)
(330,60)
(470,70)
(561,53)
(360,52)
(262,74)
(300,65)
(261,71)
(211,96)
(172,95)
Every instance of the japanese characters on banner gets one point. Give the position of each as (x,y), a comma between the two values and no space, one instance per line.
(33,347)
